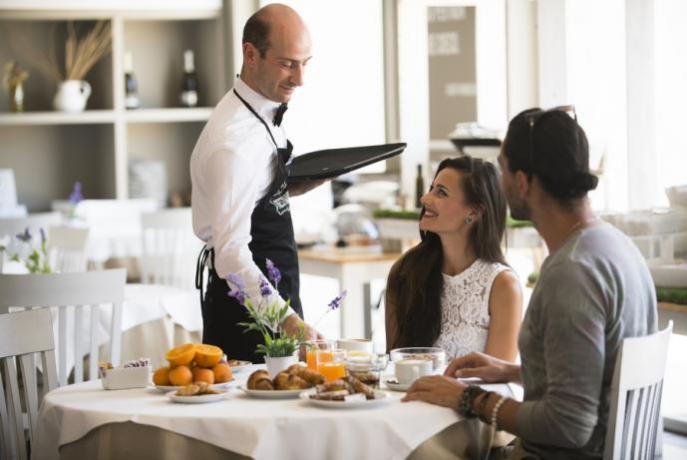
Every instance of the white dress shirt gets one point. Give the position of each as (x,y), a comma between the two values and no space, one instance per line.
(232,167)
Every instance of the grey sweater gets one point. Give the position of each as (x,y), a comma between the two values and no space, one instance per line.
(592,293)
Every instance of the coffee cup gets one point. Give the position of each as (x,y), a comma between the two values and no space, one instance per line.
(364,345)
(409,370)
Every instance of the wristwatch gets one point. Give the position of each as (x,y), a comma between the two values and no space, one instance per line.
(466,400)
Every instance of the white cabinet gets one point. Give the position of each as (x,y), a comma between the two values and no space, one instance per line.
(49,150)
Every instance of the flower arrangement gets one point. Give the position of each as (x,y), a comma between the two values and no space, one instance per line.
(75,198)
(267,316)
(80,54)
(12,80)
(35,258)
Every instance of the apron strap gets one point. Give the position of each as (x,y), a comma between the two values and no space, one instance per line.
(259,118)
(200,268)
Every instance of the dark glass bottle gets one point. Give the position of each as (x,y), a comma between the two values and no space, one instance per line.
(419,187)
(131,100)
(189,85)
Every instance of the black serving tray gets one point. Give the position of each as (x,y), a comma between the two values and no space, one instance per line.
(325,164)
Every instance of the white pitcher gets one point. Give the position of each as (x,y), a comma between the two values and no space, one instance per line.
(72,95)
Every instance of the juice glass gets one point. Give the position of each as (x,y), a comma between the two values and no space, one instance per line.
(335,368)
(318,351)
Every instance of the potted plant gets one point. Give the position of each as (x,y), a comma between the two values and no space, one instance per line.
(33,254)
(267,318)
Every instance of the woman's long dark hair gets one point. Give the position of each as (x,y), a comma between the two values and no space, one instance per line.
(415,284)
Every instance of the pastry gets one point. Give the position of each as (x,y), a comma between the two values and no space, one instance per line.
(255,377)
(313,378)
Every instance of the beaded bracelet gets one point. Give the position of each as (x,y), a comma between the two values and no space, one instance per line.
(466,400)
(495,411)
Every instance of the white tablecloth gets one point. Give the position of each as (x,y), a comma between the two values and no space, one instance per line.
(253,427)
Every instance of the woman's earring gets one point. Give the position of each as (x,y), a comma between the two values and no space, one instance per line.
(468,220)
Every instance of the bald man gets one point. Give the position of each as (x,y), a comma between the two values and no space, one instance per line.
(240,195)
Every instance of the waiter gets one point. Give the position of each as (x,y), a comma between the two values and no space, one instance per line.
(240,196)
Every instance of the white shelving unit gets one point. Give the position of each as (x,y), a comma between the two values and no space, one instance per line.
(49,150)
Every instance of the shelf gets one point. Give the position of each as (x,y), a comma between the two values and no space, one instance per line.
(87,117)
(168,115)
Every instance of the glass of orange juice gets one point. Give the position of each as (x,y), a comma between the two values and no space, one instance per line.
(318,351)
(335,368)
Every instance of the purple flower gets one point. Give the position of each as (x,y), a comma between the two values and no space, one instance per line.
(238,290)
(43,237)
(273,272)
(25,237)
(265,288)
(76,196)
(336,303)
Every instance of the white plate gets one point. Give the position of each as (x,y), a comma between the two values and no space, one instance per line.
(241,366)
(200,399)
(393,385)
(271,394)
(216,386)
(381,397)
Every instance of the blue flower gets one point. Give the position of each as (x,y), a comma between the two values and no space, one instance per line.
(25,237)
(273,272)
(43,237)
(76,196)
(238,290)
(265,288)
(338,300)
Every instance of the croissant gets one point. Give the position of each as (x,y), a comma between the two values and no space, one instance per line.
(313,378)
(263,384)
(281,381)
(255,377)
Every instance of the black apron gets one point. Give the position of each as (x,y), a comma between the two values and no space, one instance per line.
(271,238)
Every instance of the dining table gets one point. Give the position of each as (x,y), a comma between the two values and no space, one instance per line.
(86,421)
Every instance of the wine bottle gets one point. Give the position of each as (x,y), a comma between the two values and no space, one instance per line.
(131,100)
(419,187)
(189,86)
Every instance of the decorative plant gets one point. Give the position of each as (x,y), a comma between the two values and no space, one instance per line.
(74,199)
(22,249)
(80,53)
(12,80)
(267,317)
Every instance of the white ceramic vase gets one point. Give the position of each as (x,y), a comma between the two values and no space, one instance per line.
(276,365)
(71,96)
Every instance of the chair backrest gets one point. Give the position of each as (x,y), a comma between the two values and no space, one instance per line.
(22,335)
(34,222)
(634,416)
(169,248)
(87,308)
(67,248)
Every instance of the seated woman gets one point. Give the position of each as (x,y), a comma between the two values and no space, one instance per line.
(594,290)
(454,289)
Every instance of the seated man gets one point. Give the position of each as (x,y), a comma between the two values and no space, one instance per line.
(594,290)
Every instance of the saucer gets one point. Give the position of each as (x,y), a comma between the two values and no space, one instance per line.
(393,385)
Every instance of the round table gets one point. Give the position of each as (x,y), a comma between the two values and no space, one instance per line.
(85,421)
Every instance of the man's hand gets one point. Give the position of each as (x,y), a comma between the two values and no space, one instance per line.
(483,366)
(296,327)
(300,187)
(436,389)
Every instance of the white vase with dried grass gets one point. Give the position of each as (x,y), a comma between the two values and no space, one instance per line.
(80,55)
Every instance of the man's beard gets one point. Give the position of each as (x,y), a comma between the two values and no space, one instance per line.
(518,209)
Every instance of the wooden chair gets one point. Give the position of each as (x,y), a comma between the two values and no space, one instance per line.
(88,304)
(634,423)
(169,248)
(21,336)
(67,248)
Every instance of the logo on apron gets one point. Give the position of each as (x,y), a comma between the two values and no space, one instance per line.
(280,201)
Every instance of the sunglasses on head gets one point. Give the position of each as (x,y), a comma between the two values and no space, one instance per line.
(536,115)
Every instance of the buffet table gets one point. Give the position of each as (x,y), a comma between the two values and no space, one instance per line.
(85,421)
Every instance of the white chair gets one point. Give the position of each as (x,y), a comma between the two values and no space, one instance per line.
(634,423)
(88,305)
(21,336)
(169,248)
(34,222)
(67,248)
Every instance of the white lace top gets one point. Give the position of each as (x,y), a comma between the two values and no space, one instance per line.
(465,308)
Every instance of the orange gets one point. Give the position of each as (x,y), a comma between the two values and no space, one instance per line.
(180,376)
(222,372)
(181,355)
(203,375)
(161,376)
(207,355)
